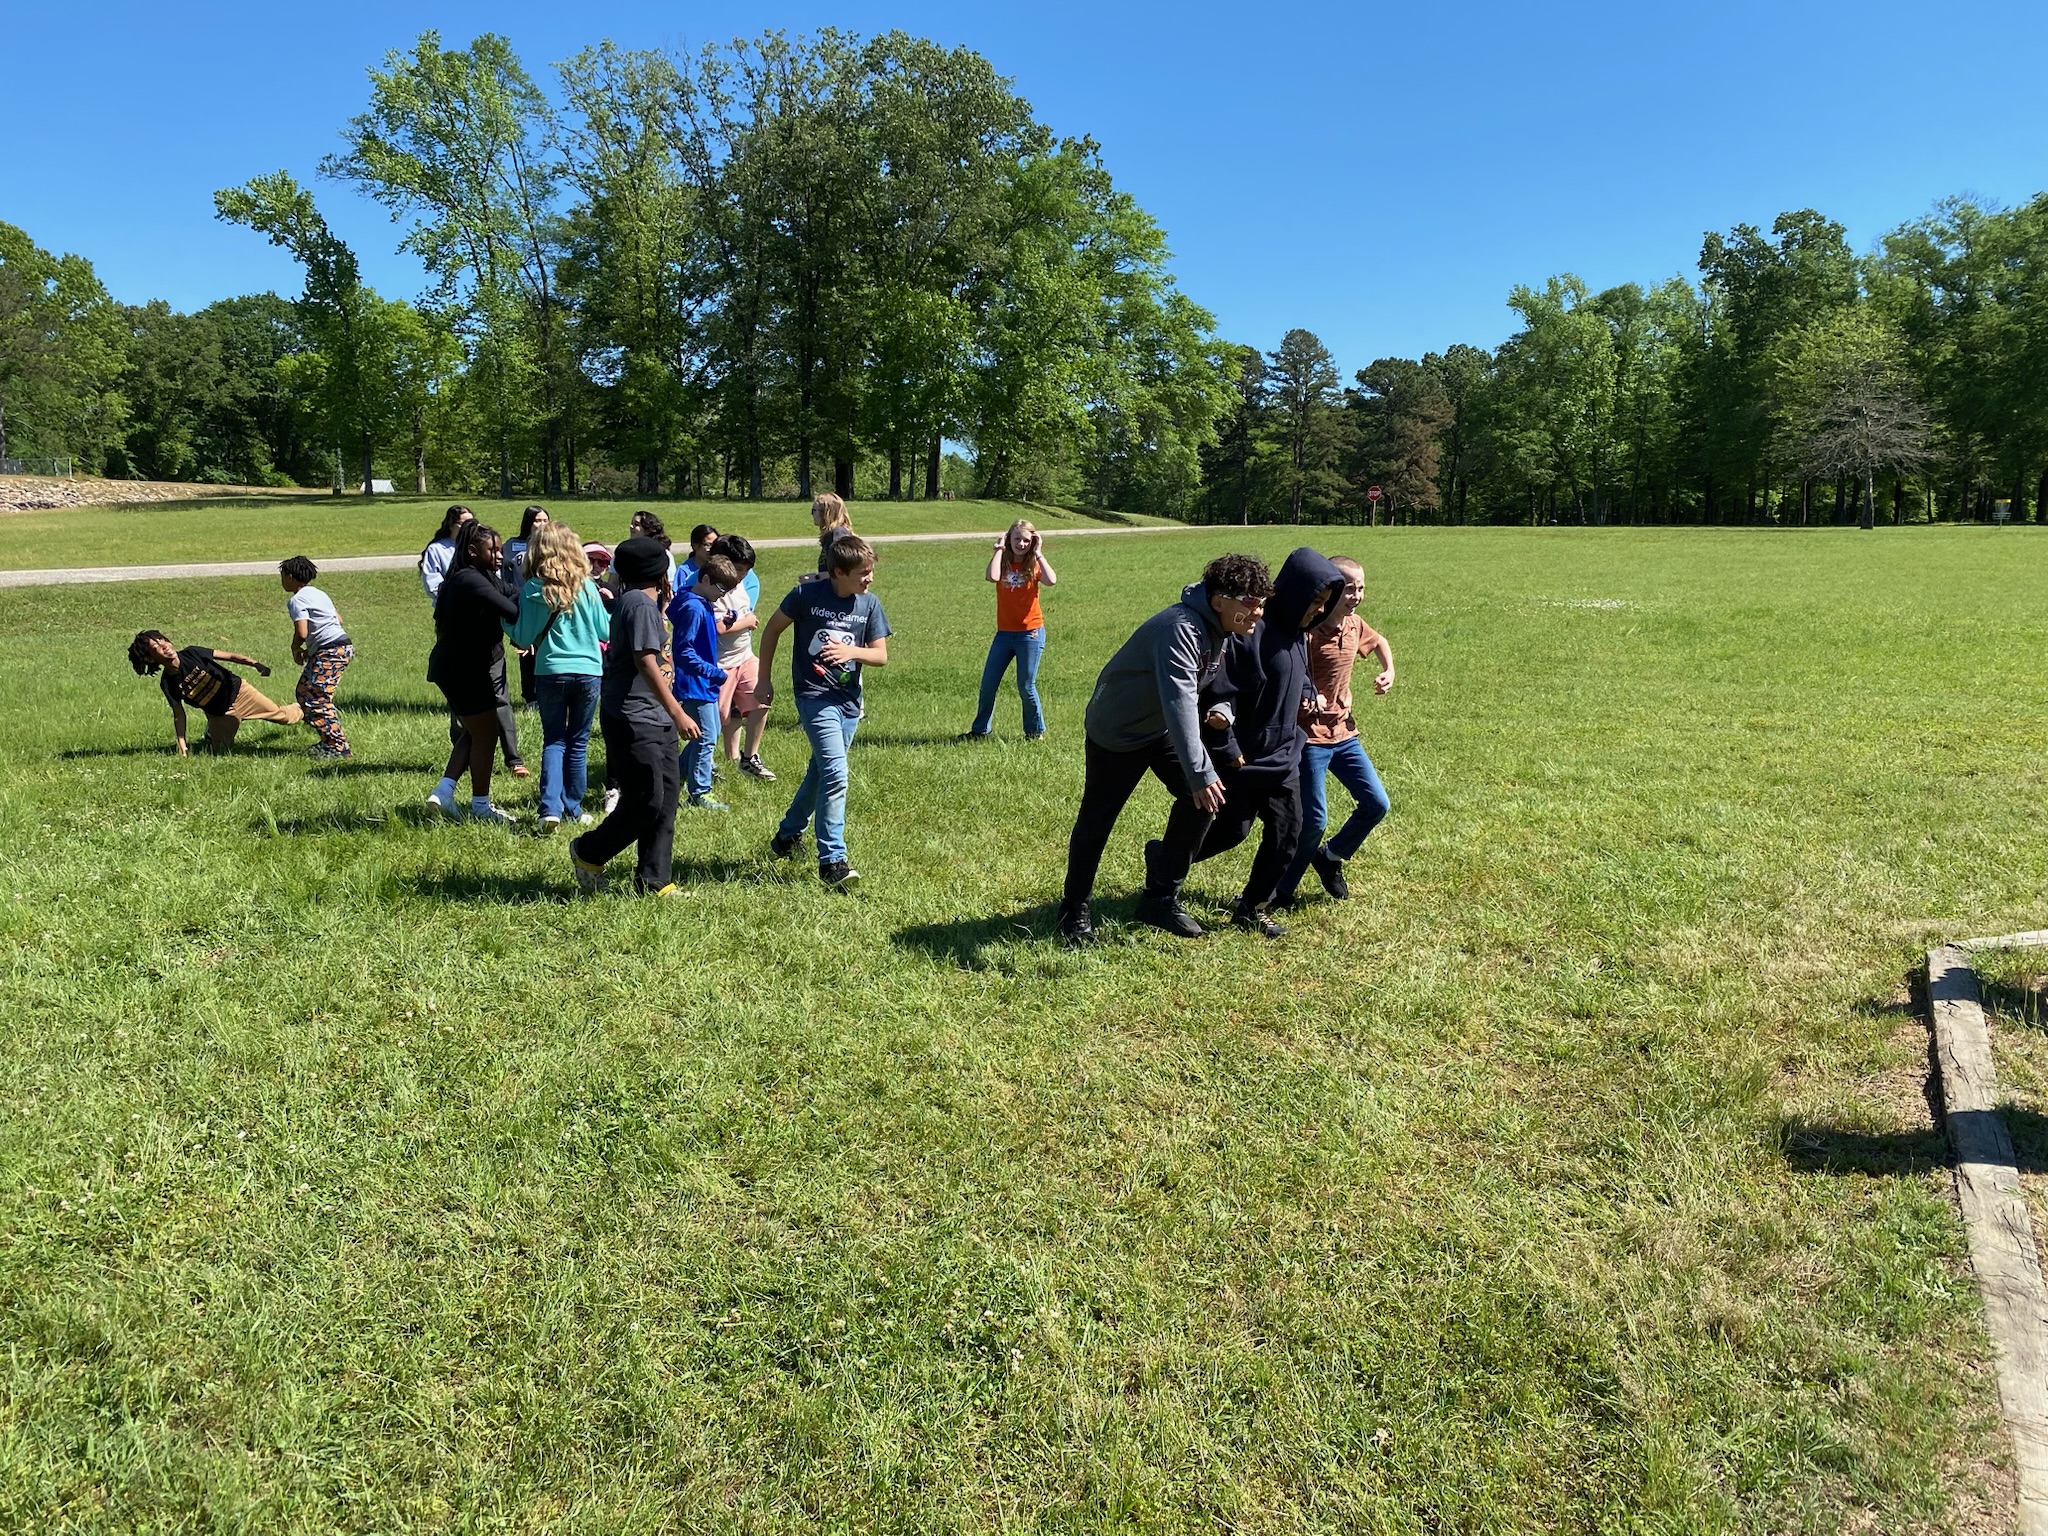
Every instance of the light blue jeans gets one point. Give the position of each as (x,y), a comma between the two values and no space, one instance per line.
(567,703)
(1354,770)
(823,791)
(700,756)
(1027,646)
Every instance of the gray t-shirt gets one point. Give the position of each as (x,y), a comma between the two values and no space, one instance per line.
(821,617)
(636,627)
(323,624)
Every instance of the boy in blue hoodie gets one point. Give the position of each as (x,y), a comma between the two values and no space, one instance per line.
(1143,717)
(1252,729)
(698,674)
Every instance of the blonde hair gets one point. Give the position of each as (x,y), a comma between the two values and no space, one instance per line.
(1010,557)
(829,512)
(558,562)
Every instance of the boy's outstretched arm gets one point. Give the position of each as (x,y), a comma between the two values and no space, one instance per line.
(242,661)
(1385,681)
(771,638)
(178,727)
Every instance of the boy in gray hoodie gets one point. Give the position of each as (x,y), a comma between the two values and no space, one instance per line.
(1144,717)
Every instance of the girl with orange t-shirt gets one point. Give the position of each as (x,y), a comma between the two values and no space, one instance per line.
(1018,567)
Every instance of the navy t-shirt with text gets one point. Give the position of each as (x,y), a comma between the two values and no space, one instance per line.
(820,617)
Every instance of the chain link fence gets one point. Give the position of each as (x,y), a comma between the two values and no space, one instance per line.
(62,468)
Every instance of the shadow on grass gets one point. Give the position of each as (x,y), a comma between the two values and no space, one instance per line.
(1816,1147)
(2013,1004)
(511,890)
(356,768)
(332,821)
(281,747)
(972,943)
(903,739)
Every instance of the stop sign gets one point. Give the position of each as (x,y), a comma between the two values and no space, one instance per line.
(1372,493)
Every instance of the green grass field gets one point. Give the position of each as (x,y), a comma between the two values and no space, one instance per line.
(1578,1175)
(272,528)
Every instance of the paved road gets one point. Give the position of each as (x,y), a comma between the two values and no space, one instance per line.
(83,574)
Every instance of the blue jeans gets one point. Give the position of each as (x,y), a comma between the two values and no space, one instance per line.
(567,703)
(1027,646)
(1354,770)
(700,756)
(823,791)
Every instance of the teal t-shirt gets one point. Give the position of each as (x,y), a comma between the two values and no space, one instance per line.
(570,646)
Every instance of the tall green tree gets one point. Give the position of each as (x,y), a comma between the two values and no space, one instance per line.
(1301,390)
(459,143)
(60,355)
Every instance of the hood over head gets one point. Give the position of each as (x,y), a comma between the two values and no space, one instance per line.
(1307,588)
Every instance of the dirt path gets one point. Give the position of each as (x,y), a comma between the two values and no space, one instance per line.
(86,574)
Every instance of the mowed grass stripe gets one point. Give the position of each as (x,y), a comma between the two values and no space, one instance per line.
(357,1176)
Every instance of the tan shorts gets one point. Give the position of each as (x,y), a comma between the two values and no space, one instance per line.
(736,693)
(251,705)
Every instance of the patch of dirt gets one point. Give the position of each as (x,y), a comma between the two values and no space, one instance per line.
(36,493)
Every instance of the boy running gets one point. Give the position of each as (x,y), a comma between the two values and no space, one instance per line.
(322,649)
(840,628)
(1143,717)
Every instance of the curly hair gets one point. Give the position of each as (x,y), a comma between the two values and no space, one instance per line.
(139,655)
(1241,576)
(558,562)
(299,569)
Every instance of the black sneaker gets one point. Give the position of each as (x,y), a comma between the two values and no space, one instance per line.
(753,767)
(1164,911)
(1331,872)
(784,847)
(1257,920)
(839,875)
(974,736)
(1077,929)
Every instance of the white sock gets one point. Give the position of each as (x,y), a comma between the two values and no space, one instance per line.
(445,790)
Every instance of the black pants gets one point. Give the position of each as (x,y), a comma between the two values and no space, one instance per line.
(1111,779)
(643,763)
(1278,805)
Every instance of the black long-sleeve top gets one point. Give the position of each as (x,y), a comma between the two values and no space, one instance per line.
(468,639)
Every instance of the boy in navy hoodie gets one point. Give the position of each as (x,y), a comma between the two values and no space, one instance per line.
(698,674)
(1252,730)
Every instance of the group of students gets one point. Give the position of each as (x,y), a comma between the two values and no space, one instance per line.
(1237,698)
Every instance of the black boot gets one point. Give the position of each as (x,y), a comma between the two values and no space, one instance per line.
(1256,919)
(1162,909)
(1077,929)
(1331,872)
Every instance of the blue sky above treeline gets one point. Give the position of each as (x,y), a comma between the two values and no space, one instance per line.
(1381,174)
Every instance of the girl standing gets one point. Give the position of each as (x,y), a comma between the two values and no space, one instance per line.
(514,574)
(1018,568)
(441,549)
(828,512)
(468,666)
(563,622)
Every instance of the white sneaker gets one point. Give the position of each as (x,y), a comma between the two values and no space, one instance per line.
(549,824)
(611,801)
(585,819)
(493,815)
(443,807)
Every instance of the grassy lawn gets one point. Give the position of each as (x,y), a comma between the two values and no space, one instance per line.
(271,528)
(1577,1175)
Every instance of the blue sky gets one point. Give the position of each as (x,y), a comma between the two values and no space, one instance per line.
(1380,174)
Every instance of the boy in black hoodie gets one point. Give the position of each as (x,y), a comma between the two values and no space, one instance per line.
(1252,729)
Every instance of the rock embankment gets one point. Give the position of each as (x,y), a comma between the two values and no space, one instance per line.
(35,493)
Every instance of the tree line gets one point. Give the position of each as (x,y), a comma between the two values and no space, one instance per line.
(1795,382)
(783,265)
(762,269)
